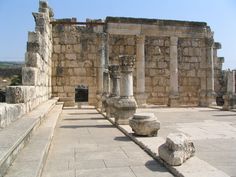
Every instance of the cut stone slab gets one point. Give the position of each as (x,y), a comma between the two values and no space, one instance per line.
(31,159)
(145,124)
(177,149)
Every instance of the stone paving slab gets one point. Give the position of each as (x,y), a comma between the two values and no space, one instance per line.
(30,161)
(14,137)
(215,142)
(85,144)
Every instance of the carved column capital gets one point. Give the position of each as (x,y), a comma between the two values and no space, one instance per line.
(209,42)
(127,63)
(140,39)
(173,41)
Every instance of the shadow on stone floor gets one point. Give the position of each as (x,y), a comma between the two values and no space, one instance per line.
(122,138)
(95,118)
(78,113)
(86,126)
(224,115)
(152,165)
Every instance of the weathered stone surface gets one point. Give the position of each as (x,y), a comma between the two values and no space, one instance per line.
(124,110)
(177,149)
(15,94)
(29,76)
(145,124)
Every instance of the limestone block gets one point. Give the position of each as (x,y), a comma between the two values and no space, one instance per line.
(177,149)
(29,76)
(10,113)
(145,124)
(57,48)
(33,60)
(34,37)
(33,47)
(15,94)
(69,49)
(70,56)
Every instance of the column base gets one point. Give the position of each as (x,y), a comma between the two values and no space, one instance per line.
(173,101)
(99,101)
(229,102)
(125,108)
(141,99)
(104,102)
(207,98)
(110,110)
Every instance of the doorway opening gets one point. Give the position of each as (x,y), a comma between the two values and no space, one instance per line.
(81,93)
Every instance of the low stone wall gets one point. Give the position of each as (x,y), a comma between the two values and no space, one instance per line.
(36,75)
(10,113)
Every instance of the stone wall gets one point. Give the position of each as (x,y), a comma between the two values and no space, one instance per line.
(157,74)
(190,53)
(75,61)
(180,58)
(36,75)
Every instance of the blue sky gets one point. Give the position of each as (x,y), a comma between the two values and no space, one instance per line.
(16,19)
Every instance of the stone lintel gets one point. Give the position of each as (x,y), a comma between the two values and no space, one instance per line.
(159,22)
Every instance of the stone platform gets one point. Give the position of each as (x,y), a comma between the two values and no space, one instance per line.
(85,144)
(213,132)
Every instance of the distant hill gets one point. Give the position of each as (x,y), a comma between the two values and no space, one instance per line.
(9,64)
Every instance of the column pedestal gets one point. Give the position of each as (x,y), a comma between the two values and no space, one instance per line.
(230,97)
(125,107)
(141,99)
(115,90)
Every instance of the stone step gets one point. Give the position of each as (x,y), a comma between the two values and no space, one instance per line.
(30,161)
(14,137)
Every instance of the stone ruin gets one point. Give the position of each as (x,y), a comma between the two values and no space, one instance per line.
(176,61)
(123,63)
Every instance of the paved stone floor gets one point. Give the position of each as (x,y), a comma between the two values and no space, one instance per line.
(213,132)
(87,145)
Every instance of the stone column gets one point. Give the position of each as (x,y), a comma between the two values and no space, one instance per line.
(210,95)
(101,71)
(126,106)
(207,93)
(115,90)
(106,89)
(230,97)
(174,84)
(115,77)
(140,95)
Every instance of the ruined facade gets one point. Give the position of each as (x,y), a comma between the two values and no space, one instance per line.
(176,61)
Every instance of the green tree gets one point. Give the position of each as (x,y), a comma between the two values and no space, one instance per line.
(16,80)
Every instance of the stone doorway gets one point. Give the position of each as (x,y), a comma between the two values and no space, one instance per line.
(81,93)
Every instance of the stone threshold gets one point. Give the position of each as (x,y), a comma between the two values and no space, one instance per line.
(191,168)
(18,134)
